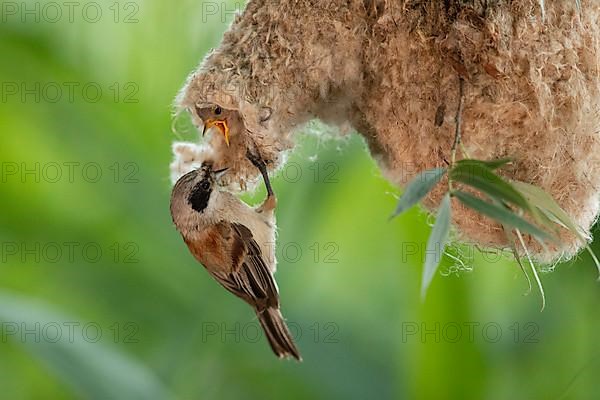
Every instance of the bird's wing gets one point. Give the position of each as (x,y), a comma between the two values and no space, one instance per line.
(249,276)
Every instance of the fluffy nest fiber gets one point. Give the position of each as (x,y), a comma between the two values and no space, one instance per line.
(390,70)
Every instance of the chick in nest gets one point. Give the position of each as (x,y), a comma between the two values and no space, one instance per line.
(234,147)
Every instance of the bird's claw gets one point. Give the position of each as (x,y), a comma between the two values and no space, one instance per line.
(268,205)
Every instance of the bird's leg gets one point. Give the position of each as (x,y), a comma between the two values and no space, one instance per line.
(262,167)
(271,201)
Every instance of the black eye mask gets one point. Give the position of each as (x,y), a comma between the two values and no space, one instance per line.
(200,195)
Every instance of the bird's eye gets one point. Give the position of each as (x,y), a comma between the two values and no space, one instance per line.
(218,110)
(205,185)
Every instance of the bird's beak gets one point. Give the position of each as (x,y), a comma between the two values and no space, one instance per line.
(219,173)
(221,124)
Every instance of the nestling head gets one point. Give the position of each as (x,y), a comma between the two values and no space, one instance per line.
(231,143)
(227,122)
(238,124)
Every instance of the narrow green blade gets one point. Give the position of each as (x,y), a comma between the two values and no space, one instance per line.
(492,164)
(436,243)
(501,215)
(485,180)
(418,188)
(95,370)
(542,200)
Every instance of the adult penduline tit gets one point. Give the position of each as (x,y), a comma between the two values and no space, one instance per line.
(235,243)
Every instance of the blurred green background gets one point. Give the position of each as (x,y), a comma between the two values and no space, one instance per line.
(100,299)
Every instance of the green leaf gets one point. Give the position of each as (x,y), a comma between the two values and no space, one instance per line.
(549,221)
(436,243)
(485,180)
(492,164)
(542,200)
(94,369)
(501,214)
(418,188)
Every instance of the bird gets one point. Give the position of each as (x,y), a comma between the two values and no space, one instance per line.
(215,116)
(237,145)
(235,244)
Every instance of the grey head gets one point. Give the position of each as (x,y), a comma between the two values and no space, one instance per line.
(193,190)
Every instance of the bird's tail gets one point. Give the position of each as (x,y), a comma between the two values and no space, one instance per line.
(278,334)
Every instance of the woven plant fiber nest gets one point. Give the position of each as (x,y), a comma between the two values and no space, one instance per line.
(391,70)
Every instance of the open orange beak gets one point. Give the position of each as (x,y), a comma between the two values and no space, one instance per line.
(220,124)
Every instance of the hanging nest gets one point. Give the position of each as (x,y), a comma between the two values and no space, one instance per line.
(391,71)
